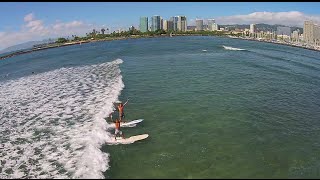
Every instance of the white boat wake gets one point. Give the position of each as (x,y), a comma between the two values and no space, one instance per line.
(232,48)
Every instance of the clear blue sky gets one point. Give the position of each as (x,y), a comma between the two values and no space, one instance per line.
(128,13)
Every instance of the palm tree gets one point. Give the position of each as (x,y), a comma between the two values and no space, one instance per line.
(103,30)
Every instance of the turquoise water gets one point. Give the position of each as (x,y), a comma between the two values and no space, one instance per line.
(251,113)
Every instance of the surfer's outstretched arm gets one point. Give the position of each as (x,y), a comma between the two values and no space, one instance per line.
(126,102)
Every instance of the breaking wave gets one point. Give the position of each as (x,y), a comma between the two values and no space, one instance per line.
(52,124)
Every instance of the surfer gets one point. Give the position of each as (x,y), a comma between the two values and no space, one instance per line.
(120,109)
(117,130)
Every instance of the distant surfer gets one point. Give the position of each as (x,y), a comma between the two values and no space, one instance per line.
(120,109)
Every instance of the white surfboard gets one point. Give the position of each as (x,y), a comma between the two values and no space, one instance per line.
(132,139)
(132,123)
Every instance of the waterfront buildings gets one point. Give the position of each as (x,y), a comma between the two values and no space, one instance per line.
(143,24)
(310,37)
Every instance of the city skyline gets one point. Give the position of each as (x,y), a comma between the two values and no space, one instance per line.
(37,21)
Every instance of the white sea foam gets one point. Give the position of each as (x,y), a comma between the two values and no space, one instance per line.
(52,124)
(232,48)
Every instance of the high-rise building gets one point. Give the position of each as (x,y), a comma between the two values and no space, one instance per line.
(143,24)
(182,23)
(175,20)
(283,30)
(199,24)
(308,34)
(155,23)
(165,25)
(211,23)
(311,33)
(170,24)
(252,28)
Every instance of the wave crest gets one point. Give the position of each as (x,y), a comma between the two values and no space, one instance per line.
(53,123)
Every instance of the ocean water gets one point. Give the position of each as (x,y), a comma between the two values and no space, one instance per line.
(213,107)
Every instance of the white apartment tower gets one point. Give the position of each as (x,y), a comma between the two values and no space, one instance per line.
(211,24)
(252,28)
(165,25)
(182,23)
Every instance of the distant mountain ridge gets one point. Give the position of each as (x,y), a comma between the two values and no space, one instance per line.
(260,27)
(26,45)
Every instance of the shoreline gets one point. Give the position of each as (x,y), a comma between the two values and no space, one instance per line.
(138,37)
(69,44)
(275,42)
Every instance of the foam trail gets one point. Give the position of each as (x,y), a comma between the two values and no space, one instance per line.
(232,48)
(52,124)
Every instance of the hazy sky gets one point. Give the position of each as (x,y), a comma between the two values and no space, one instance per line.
(25,21)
